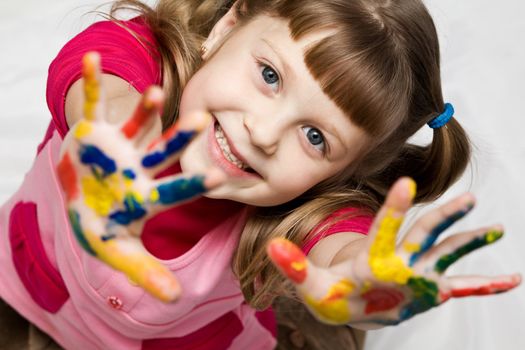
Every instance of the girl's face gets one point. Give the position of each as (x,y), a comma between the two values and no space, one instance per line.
(274,132)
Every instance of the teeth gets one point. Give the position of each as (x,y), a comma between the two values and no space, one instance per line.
(223,143)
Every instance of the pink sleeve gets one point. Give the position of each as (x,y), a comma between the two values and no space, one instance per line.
(342,220)
(122,55)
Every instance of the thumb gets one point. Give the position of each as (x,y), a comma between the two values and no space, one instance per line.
(324,293)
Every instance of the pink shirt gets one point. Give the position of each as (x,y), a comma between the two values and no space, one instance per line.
(81,302)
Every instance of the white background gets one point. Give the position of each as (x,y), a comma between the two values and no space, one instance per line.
(483,58)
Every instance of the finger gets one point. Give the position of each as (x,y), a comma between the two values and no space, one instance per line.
(427,229)
(126,254)
(147,110)
(454,247)
(465,286)
(177,189)
(162,152)
(93,92)
(384,263)
(325,294)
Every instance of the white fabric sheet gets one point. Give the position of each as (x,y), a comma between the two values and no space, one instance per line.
(483,56)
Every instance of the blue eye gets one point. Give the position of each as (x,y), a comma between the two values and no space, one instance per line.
(270,76)
(314,137)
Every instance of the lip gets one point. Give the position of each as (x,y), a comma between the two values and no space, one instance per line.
(220,160)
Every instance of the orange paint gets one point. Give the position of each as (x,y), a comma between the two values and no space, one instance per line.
(289,258)
(67,176)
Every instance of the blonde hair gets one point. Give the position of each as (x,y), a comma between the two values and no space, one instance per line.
(380,65)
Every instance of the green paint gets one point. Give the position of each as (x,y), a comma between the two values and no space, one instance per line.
(425,292)
(446,260)
(74,219)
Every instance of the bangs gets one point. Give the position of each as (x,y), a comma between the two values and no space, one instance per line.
(360,65)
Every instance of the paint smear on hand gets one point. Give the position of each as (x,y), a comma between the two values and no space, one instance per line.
(67,176)
(488,289)
(446,260)
(101,196)
(288,258)
(384,263)
(91,85)
(382,299)
(334,307)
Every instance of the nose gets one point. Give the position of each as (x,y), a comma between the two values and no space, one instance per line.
(264,132)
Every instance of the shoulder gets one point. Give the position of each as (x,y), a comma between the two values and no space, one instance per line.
(337,234)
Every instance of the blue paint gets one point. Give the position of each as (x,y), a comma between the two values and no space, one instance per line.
(181,189)
(74,219)
(92,155)
(436,231)
(178,142)
(108,237)
(153,159)
(174,145)
(133,211)
(129,174)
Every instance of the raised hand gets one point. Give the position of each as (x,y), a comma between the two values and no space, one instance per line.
(388,283)
(110,186)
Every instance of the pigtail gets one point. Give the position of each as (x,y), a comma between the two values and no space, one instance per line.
(434,167)
(444,161)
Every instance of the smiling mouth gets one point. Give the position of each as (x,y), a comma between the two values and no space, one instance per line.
(226,151)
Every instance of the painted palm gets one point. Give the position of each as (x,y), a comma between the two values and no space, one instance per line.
(108,178)
(388,283)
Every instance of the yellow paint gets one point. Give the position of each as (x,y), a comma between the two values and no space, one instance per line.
(384,263)
(133,195)
(101,195)
(412,187)
(493,236)
(91,87)
(83,129)
(333,307)
(366,287)
(140,267)
(298,265)
(154,196)
(412,247)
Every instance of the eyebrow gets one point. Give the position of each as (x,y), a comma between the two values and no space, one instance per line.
(288,70)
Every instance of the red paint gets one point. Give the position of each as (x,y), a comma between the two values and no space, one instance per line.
(67,176)
(491,288)
(444,296)
(133,125)
(285,254)
(382,299)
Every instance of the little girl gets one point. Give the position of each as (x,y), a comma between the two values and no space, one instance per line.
(311,105)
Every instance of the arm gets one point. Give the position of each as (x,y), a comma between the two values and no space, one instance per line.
(108,175)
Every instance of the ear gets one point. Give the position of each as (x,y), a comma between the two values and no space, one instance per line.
(220,31)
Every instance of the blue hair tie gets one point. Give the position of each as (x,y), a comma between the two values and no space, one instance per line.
(443,118)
